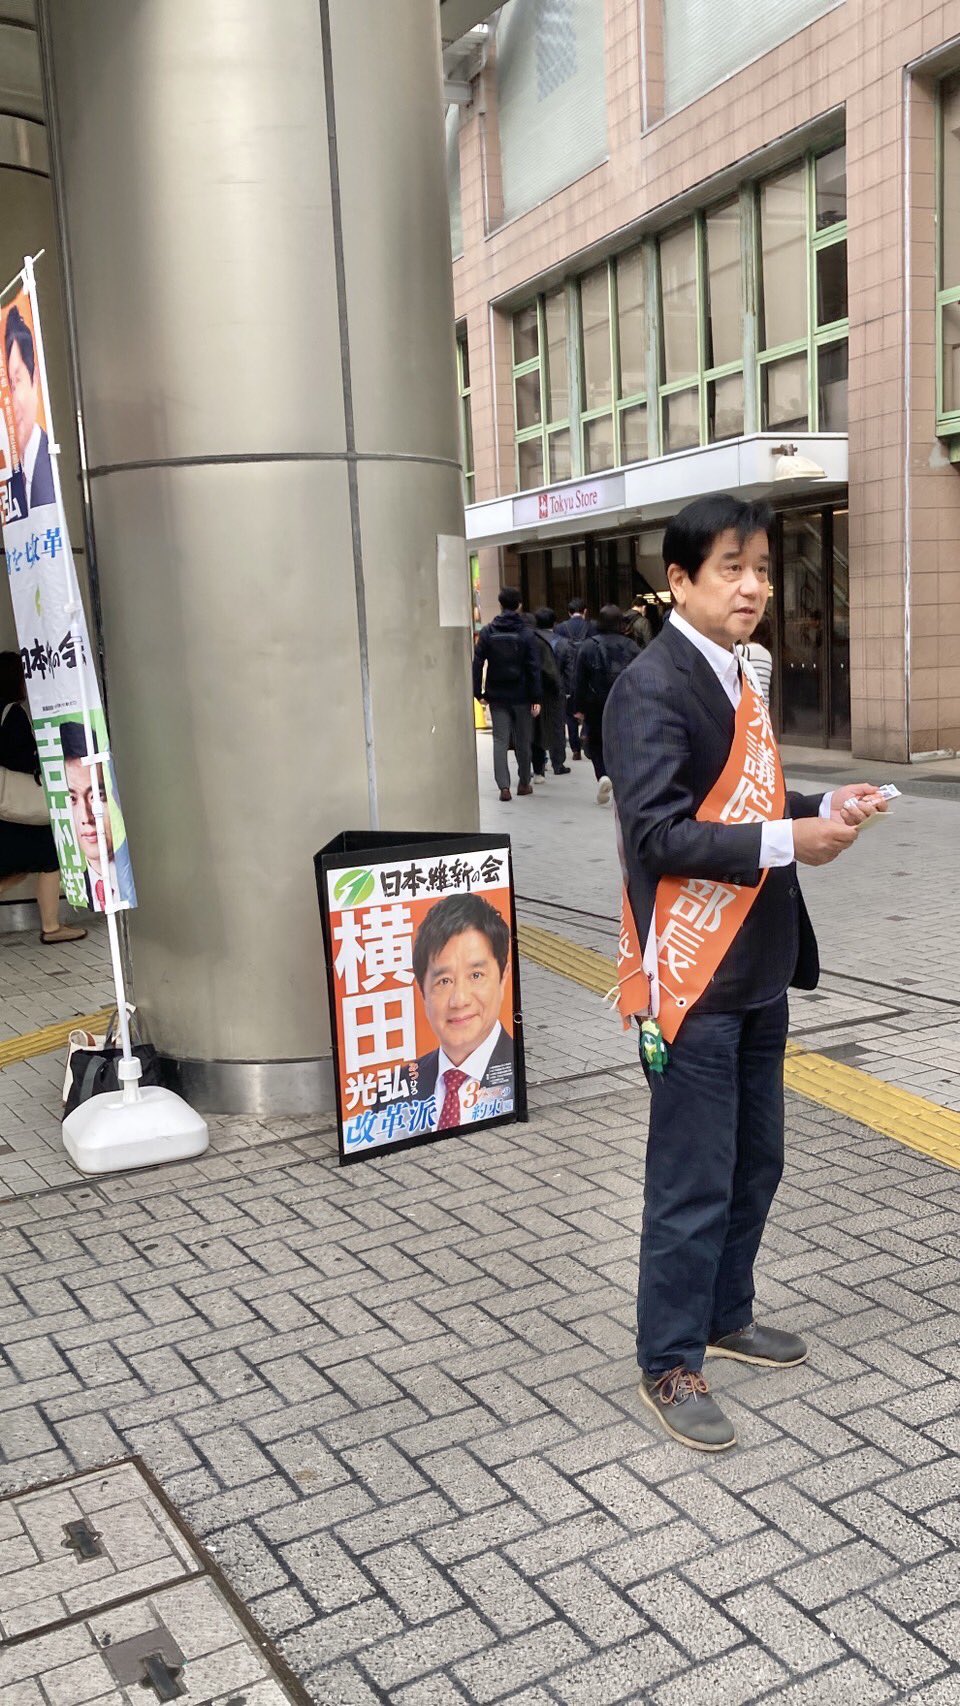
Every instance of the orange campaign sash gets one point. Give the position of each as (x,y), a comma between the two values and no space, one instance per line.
(696,919)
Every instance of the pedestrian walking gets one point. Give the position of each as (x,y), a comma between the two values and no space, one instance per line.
(26,849)
(548,732)
(506,676)
(758,653)
(571,635)
(638,624)
(710,839)
(600,661)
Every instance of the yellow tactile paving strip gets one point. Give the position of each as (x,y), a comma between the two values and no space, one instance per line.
(51,1037)
(908,1119)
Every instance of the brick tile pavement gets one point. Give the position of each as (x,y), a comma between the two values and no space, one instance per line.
(397,1403)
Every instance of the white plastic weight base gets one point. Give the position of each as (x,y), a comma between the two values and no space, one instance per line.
(109,1135)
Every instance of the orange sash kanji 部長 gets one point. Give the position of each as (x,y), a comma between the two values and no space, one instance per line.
(696,918)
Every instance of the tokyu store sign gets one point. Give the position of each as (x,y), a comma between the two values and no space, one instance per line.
(575,501)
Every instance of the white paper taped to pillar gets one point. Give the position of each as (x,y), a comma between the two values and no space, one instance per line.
(51,626)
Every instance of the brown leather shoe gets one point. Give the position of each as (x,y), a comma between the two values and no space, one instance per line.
(524,788)
(682,1404)
(766,1347)
(505,794)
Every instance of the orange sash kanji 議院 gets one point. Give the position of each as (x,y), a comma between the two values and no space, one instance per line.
(697,918)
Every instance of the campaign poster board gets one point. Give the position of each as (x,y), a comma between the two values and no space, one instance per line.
(51,627)
(422,967)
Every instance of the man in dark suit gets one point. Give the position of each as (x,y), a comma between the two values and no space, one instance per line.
(715,1147)
(460,958)
(31,485)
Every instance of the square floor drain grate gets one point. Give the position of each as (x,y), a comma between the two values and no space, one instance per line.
(105,1596)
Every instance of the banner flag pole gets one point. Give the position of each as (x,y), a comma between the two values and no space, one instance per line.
(137,1125)
(129,1071)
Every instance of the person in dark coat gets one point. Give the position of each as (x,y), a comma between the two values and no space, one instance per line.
(28,849)
(506,676)
(548,733)
(715,1148)
(570,636)
(599,662)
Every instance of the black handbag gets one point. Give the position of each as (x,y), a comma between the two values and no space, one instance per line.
(93,1071)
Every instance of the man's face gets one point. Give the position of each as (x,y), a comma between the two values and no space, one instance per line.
(81,786)
(729,595)
(25,394)
(462,992)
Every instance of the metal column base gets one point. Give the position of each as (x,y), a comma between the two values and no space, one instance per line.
(267,1088)
(18,916)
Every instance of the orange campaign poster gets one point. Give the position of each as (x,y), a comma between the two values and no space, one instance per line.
(421,963)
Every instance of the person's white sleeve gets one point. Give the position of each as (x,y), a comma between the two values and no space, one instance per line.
(826,805)
(776,844)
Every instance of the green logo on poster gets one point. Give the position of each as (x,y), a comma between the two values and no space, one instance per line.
(354,887)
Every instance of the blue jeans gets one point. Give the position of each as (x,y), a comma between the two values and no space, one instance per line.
(714,1160)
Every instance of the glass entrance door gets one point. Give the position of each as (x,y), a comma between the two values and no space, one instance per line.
(812,621)
(802,600)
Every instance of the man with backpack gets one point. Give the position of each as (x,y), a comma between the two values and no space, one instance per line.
(600,660)
(506,676)
(570,636)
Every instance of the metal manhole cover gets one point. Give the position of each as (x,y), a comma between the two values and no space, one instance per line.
(105,1597)
(79,1544)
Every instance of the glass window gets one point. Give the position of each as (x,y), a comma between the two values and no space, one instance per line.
(558,384)
(725,407)
(724,319)
(784,394)
(783,246)
(598,451)
(951,357)
(527,390)
(948,269)
(678,295)
(595,318)
(950,190)
(681,420)
(831,284)
(530,462)
(831,188)
(633,434)
(560,468)
(526,335)
(832,387)
(632,321)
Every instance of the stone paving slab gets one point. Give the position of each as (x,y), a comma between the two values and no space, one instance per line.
(218,1663)
(397,1404)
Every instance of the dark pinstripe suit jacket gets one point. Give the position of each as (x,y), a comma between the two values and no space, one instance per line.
(667,732)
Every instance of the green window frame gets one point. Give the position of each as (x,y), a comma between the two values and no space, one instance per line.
(947,277)
(706,377)
(542,438)
(620,405)
(823,344)
(466,418)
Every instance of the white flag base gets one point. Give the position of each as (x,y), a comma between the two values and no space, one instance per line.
(108,1134)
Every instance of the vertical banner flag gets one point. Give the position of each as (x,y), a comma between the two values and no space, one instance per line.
(425,1001)
(51,626)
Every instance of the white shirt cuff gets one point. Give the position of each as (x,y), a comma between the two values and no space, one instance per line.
(776,844)
(776,839)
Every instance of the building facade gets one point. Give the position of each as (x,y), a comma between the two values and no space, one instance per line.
(699,248)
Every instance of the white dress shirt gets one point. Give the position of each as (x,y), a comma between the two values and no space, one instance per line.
(474,1066)
(30,460)
(776,839)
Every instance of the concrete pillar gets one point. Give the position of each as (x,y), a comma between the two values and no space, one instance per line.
(255,212)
